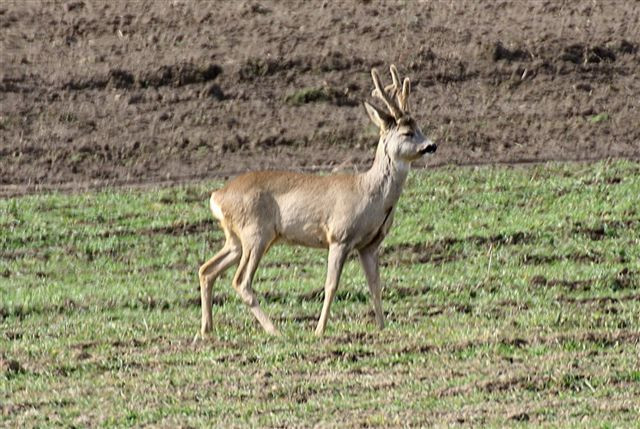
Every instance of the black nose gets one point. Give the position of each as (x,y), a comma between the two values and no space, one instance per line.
(429,149)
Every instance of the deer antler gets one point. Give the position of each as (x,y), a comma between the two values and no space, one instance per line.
(402,96)
(397,108)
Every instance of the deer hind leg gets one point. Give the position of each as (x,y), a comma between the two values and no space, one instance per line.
(210,270)
(254,246)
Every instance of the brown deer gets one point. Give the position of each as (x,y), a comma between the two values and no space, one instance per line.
(341,212)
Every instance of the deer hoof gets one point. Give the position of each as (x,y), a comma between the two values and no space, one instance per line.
(200,337)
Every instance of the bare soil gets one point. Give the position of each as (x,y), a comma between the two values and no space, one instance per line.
(146,92)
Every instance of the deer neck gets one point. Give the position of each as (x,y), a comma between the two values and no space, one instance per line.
(386,177)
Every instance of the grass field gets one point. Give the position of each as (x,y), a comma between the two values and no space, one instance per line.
(512,297)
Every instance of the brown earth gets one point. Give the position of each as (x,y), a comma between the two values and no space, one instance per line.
(107,93)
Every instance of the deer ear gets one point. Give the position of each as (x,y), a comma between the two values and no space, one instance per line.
(383,120)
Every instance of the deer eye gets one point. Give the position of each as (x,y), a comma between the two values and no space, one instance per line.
(407,134)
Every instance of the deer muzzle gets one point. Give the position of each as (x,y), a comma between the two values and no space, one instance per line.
(430,148)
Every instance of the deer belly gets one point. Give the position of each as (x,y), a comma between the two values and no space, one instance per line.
(308,234)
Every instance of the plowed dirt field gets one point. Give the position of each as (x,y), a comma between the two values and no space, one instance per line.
(108,93)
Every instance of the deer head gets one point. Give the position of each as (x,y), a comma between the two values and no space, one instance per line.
(400,136)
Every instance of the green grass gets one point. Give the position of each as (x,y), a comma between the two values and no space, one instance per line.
(308,95)
(511,294)
(601,117)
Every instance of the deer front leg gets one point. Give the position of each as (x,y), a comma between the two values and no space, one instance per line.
(370,264)
(337,255)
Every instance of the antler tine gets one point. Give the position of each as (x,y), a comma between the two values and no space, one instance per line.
(382,94)
(401,94)
(395,76)
(394,88)
(404,97)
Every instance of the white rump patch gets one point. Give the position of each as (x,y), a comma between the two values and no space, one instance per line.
(215,208)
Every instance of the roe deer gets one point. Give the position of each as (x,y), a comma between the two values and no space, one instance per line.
(341,212)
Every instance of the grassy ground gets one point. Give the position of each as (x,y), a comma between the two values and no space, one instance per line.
(512,297)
